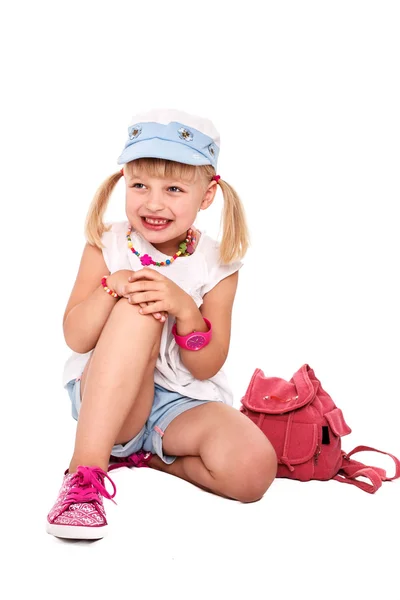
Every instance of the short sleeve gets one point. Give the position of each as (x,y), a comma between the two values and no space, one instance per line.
(106,239)
(218,273)
(111,239)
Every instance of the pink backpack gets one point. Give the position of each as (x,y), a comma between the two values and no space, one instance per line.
(305,428)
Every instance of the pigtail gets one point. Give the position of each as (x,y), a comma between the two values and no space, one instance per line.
(235,233)
(94,226)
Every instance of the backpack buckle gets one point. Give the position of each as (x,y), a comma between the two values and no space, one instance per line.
(280,399)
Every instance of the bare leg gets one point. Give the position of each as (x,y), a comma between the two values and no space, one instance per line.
(220,450)
(119,377)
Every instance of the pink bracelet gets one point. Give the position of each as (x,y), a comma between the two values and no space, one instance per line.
(107,289)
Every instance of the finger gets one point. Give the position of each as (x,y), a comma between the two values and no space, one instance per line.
(160,316)
(146,273)
(144,304)
(141,286)
(144,297)
(152,308)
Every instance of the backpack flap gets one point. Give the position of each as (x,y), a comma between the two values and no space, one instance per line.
(337,423)
(273,395)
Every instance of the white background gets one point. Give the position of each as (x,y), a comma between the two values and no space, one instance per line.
(306,96)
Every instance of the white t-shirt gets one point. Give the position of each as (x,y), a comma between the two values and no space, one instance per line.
(196,274)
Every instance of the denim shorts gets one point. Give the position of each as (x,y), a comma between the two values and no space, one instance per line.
(166,406)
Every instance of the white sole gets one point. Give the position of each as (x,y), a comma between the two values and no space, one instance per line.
(75,532)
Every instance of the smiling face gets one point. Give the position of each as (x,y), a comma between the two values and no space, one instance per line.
(163,199)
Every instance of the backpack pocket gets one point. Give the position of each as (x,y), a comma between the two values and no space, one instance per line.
(296,444)
(300,451)
(331,456)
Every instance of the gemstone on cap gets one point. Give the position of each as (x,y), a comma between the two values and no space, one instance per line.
(211,149)
(185,134)
(135,131)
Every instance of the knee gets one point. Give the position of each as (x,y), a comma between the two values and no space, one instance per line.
(150,327)
(124,304)
(255,472)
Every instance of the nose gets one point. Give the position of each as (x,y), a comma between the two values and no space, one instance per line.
(155,201)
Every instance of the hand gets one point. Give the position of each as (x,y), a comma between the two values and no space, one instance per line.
(148,285)
(117,282)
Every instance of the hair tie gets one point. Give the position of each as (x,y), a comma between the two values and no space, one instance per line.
(122,171)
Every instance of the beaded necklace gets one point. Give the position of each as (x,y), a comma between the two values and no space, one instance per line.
(186,248)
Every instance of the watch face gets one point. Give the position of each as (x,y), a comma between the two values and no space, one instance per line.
(195,342)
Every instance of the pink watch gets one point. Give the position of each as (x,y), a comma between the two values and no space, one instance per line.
(195,340)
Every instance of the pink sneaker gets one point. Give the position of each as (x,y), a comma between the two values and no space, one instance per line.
(79,512)
(138,459)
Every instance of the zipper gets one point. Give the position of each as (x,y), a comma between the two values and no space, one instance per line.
(316,455)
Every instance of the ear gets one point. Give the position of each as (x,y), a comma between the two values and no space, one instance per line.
(209,195)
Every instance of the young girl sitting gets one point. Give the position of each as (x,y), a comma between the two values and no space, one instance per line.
(149,322)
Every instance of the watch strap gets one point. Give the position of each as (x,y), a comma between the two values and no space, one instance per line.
(184,340)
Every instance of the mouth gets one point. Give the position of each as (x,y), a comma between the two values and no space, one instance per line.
(155,224)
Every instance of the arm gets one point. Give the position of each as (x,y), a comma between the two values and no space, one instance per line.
(89,306)
(217,308)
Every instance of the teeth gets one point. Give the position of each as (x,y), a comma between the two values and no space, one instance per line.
(156,221)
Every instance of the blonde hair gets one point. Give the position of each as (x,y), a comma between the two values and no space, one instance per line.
(235,234)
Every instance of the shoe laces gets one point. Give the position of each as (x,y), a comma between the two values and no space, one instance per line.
(138,459)
(86,485)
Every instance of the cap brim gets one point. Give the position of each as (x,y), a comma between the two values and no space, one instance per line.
(157,148)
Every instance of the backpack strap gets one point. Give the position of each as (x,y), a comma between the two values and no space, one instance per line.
(368,449)
(369,473)
(351,469)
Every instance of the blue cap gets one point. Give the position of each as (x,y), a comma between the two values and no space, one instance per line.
(172,135)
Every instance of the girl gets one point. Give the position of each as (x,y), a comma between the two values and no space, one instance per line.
(149,321)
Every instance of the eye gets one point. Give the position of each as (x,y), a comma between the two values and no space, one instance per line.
(174,187)
(135,184)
